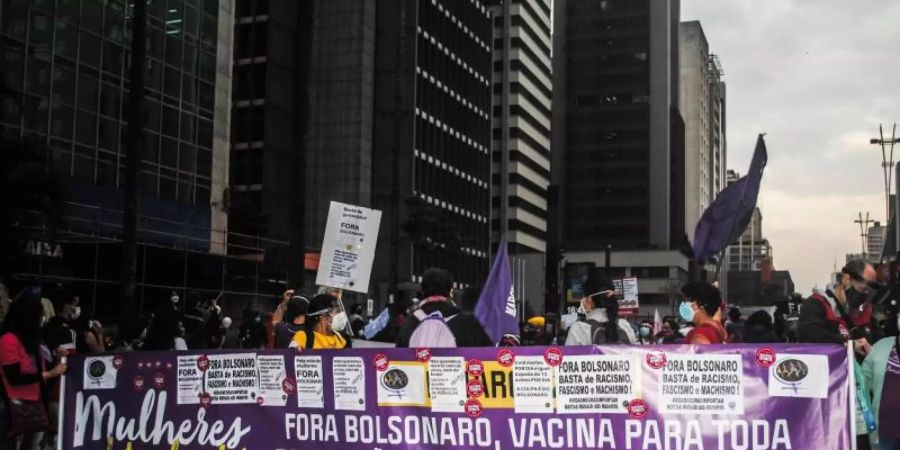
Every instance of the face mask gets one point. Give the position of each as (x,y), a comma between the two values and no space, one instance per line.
(645,331)
(339,321)
(76,312)
(686,312)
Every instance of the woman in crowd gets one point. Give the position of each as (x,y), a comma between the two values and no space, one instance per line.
(602,324)
(645,333)
(24,374)
(319,330)
(702,307)
(669,333)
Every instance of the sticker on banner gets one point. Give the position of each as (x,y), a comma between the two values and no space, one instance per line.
(381,362)
(506,357)
(474,388)
(203,363)
(473,407)
(799,376)
(638,408)
(159,381)
(138,383)
(423,354)
(118,361)
(656,359)
(553,356)
(474,367)
(765,357)
(205,400)
(100,372)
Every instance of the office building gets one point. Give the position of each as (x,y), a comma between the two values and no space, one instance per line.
(522,95)
(875,241)
(618,141)
(702,104)
(69,63)
(431,172)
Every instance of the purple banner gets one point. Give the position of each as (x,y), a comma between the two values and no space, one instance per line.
(611,397)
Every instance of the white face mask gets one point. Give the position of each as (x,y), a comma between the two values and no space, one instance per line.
(76,312)
(339,321)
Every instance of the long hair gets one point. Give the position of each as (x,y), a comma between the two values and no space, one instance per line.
(611,305)
(24,321)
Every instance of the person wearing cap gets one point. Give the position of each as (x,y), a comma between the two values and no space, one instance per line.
(294,316)
(826,320)
(602,324)
(318,331)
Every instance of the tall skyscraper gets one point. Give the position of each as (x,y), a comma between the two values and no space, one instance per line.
(522,85)
(618,140)
(271,60)
(432,139)
(875,241)
(702,104)
(69,63)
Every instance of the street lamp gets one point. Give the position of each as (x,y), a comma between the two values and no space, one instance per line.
(887,164)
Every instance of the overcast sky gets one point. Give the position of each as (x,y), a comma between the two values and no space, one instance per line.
(818,77)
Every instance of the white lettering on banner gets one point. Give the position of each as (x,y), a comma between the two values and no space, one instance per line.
(562,433)
(417,430)
(310,427)
(142,430)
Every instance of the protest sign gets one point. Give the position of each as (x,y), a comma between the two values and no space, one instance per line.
(638,397)
(627,293)
(348,248)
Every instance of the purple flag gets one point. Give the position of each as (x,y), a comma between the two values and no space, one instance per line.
(727,218)
(496,308)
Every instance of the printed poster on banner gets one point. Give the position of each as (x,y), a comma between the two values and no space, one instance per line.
(348,248)
(349,383)
(597,384)
(273,381)
(533,385)
(702,384)
(799,376)
(232,378)
(190,380)
(447,383)
(310,385)
(402,384)
(100,373)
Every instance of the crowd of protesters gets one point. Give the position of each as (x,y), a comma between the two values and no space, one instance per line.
(36,333)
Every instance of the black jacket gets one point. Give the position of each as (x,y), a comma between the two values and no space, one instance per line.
(465,327)
(814,327)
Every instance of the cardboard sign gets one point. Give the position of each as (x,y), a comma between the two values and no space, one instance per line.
(349,247)
(627,293)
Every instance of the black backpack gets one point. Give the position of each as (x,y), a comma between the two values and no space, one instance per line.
(598,332)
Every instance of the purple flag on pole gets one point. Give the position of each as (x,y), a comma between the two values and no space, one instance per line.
(496,308)
(727,218)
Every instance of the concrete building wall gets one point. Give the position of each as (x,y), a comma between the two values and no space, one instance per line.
(695,109)
(221,147)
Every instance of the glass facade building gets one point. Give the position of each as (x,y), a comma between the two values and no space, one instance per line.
(68,62)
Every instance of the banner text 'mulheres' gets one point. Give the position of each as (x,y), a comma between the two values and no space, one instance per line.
(394,430)
(151,427)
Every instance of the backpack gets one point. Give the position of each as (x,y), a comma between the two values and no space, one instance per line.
(432,331)
(598,332)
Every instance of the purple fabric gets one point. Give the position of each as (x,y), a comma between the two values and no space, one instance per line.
(496,307)
(812,423)
(726,219)
(889,411)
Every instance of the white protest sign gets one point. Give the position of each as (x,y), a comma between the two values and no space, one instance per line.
(348,248)
(627,292)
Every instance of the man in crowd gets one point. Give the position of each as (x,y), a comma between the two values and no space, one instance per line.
(437,306)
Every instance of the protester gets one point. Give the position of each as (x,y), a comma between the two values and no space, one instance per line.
(441,314)
(24,374)
(669,333)
(94,338)
(218,338)
(734,327)
(881,371)
(57,340)
(701,307)
(759,329)
(357,322)
(825,319)
(601,308)
(318,331)
(645,333)
(252,333)
(163,328)
(293,316)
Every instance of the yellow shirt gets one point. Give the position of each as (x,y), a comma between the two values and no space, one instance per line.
(320,341)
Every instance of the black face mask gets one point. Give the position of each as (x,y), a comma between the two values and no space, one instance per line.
(856,298)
